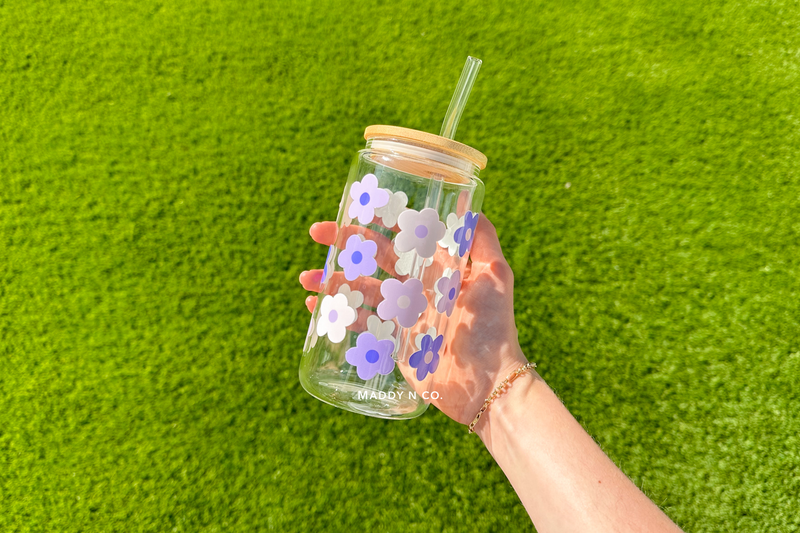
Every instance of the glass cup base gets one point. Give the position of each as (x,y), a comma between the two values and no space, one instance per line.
(327,386)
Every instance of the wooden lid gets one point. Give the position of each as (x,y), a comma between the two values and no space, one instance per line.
(435,142)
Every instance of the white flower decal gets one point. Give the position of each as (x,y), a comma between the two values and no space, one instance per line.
(420,231)
(448,241)
(346,220)
(380,329)
(311,336)
(354,298)
(389,213)
(405,262)
(367,197)
(334,317)
(418,339)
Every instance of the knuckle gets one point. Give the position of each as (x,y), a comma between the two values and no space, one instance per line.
(503,271)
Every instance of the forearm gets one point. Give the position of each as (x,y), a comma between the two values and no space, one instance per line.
(562,477)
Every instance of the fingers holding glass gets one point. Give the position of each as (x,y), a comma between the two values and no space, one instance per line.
(311,303)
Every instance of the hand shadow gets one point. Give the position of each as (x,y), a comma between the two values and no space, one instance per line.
(479,340)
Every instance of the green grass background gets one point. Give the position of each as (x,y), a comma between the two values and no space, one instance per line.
(160,163)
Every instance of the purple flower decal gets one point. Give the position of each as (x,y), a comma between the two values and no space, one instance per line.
(327,267)
(420,231)
(358,257)
(464,235)
(447,289)
(403,301)
(371,356)
(367,197)
(426,360)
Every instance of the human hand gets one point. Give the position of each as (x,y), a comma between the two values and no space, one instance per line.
(481,345)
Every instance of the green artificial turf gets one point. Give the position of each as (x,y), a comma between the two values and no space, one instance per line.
(160,163)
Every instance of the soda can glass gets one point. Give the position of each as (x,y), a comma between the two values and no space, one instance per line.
(391,280)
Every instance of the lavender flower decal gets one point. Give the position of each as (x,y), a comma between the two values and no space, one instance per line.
(371,356)
(403,301)
(367,197)
(447,290)
(358,257)
(420,231)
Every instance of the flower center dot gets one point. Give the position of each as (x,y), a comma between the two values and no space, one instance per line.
(428,357)
(333,316)
(364,199)
(452,293)
(468,234)
(356,258)
(403,302)
(372,356)
(421,231)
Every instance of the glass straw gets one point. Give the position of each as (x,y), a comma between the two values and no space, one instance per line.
(465,83)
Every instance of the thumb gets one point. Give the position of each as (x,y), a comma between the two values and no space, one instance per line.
(486,246)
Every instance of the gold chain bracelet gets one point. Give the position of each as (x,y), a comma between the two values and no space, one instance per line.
(496,392)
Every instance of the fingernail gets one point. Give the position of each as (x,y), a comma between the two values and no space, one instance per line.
(317,277)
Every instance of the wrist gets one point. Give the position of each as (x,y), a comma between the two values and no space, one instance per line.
(512,407)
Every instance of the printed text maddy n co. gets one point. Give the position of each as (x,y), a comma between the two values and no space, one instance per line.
(364,395)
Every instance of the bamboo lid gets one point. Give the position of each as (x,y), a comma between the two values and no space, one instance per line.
(435,142)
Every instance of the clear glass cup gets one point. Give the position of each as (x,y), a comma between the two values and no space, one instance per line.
(390,283)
